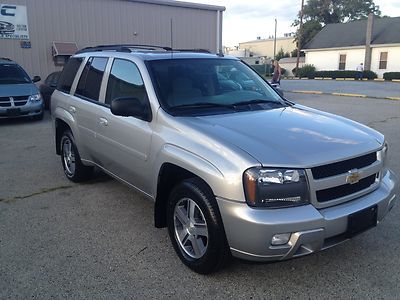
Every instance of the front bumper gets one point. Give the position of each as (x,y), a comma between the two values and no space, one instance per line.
(30,109)
(249,231)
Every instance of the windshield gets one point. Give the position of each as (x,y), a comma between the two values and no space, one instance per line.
(13,74)
(223,85)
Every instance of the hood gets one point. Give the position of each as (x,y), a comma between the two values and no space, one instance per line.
(24,89)
(292,136)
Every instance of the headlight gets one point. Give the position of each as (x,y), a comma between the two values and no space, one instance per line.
(34,98)
(276,188)
(382,154)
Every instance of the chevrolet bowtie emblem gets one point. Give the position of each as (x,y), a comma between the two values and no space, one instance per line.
(353,177)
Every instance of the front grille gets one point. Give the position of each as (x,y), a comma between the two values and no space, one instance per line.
(5,102)
(343,166)
(345,190)
(20,100)
(20,103)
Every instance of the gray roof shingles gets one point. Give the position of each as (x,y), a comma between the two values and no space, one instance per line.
(385,31)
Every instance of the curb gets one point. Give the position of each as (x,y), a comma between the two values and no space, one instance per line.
(342,95)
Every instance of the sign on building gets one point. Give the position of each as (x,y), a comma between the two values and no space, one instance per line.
(13,22)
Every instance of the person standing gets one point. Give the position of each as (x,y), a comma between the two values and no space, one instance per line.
(360,70)
(276,78)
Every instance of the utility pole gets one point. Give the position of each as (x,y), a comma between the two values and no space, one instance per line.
(300,34)
(276,25)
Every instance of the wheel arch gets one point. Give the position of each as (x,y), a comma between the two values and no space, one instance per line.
(168,177)
(60,127)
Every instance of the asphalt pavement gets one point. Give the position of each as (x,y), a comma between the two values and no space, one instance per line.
(365,88)
(97,240)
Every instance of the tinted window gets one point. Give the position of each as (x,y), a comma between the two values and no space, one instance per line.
(68,74)
(49,79)
(125,81)
(92,75)
(52,79)
(13,74)
(80,89)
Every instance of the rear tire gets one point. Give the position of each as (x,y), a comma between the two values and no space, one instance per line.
(71,161)
(195,227)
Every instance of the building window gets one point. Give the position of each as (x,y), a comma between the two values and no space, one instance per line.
(383,61)
(342,62)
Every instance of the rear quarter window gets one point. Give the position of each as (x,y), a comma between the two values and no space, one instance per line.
(68,74)
(90,82)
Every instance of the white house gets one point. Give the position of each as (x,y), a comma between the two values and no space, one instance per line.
(373,42)
(289,64)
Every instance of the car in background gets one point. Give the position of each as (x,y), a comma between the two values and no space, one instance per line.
(48,87)
(19,96)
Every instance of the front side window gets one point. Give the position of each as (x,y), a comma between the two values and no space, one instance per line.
(68,74)
(342,62)
(13,74)
(90,82)
(125,81)
(383,61)
(213,85)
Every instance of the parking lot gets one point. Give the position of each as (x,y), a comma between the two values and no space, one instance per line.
(97,240)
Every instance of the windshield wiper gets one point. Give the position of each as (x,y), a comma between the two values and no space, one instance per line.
(203,105)
(257,101)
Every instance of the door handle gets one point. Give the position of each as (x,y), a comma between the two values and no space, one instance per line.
(103,121)
(72,109)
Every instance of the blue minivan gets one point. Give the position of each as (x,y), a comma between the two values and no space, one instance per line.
(19,96)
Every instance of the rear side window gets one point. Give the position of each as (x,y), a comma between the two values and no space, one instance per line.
(90,82)
(125,81)
(68,74)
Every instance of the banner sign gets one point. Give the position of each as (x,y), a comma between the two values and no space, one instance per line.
(13,22)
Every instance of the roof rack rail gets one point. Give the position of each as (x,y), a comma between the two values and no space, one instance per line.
(132,47)
(193,50)
(6,58)
(122,48)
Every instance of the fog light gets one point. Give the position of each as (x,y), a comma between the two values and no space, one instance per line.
(280,239)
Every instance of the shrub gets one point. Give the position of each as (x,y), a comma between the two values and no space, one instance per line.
(306,71)
(344,74)
(391,75)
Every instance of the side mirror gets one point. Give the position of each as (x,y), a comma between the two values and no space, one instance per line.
(130,107)
(36,79)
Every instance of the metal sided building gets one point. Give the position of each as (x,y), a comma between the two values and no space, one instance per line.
(41,34)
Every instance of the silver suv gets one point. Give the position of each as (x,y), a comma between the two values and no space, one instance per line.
(232,166)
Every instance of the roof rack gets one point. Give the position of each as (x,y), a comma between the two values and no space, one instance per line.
(6,58)
(123,48)
(132,47)
(193,50)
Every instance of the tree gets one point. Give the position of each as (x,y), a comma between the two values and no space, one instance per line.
(281,54)
(338,11)
(294,53)
(310,29)
(318,13)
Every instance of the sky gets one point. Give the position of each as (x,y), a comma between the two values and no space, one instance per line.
(245,20)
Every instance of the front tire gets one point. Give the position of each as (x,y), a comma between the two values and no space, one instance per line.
(71,161)
(195,227)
